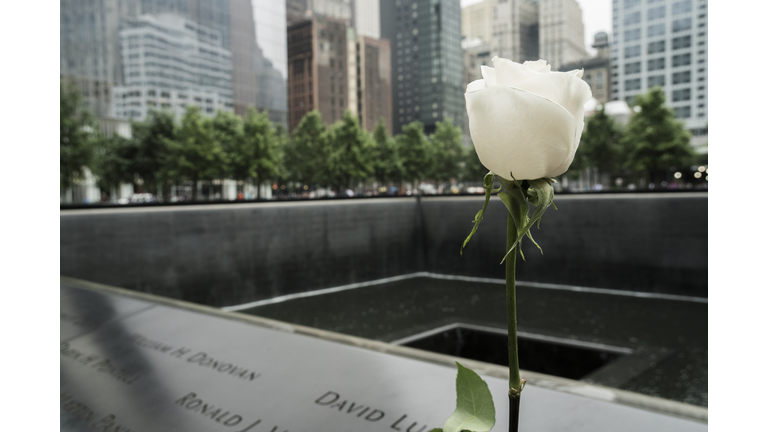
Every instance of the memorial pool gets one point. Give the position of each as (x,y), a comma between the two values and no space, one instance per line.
(666,334)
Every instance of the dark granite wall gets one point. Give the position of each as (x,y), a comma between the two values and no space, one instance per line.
(232,254)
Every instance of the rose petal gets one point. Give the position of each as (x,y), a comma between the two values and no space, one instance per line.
(538,65)
(520,132)
(577,72)
(509,73)
(489,74)
(560,87)
(476,85)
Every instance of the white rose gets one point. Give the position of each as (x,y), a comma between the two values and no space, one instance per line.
(525,119)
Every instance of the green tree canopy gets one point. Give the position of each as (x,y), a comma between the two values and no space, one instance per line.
(387,166)
(307,150)
(114,161)
(601,145)
(447,153)
(196,152)
(351,153)
(474,170)
(655,139)
(76,130)
(414,151)
(265,145)
(151,156)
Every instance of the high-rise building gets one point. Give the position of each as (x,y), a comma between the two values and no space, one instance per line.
(477,20)
(300,10)
(320,75)
(330,69)
(515,30)
(663,43)
(252,31)
(561,32)
(168,63)
(425,37)
(374,93)
(365,18)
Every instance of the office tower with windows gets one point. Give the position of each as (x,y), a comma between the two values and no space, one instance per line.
(561,32)
(477,20)
(515,30)
(169,63)
(425,38)
(300,10)
(374,80)
(252,31)
(663,43)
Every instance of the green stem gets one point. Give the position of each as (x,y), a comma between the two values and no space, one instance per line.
(514,368)
(515,383)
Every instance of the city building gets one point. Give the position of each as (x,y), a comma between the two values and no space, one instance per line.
(597,70)
(515,30)
(365,18)
(374,94)
(168,63)
(663,43)
(425,38)
(321,69)
(477,20)
(561,32)
(252,31)
(300,10)
(331,69)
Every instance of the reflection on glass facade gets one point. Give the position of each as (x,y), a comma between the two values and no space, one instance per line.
(236,60)
(427,63)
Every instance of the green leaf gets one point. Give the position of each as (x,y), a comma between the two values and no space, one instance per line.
(544,195)
(474,404)
(436,430)
(488,185)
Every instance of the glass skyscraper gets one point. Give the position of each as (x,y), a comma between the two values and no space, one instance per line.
(239,57)
(663,43)
(427,63)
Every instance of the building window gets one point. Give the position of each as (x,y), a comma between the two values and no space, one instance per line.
(681,42)
(683,112)
(681,7)
(681,77)
(631,68)
(657,12)
(629,4)
(632,18)
(656,30)
(632,35)
(656,64)
(682,24)
(656,81)
(599,80)
(681,95)
(656,47)
(633,84)
(681,60)
(633,51)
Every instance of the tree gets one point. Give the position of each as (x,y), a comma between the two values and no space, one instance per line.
(387,166)
(196,152)
(114,162)
(446,152)
(601,145)
(307,150)
(473,171)
(265,144)
(76,141)
(351,153)
(655,139)
(413,148)
(151,157)
(228,132)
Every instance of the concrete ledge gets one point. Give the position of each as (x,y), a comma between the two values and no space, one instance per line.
(563,385)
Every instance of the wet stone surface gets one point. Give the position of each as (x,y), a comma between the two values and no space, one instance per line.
(671,335)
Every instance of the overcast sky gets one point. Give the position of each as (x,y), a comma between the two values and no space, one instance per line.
(596,15)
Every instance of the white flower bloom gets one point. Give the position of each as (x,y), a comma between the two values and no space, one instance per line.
(526,120)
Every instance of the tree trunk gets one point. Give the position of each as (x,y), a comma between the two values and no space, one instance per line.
(194,189)
(258,189)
